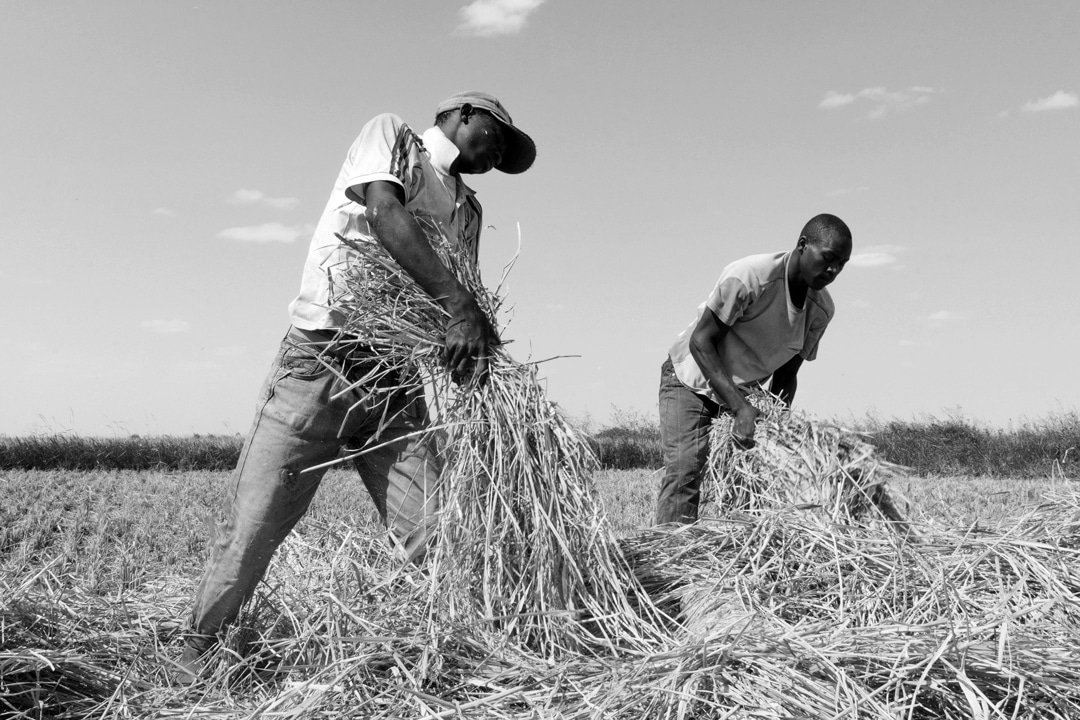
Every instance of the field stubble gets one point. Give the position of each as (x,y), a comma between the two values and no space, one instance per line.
(117,530)
(93,557)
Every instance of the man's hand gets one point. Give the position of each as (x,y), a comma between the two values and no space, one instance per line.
(469,342)
(742,430)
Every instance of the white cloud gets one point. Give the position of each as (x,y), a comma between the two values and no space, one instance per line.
(163,211)
(881,100)
(166,326)
(257,197)
(267,232)
(834,99)
(1058,101)
(875,256)
(871,260)
(496,17)
(944,316)
(906,343)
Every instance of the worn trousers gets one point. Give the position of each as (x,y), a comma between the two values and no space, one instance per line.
(685,421)
(302,420)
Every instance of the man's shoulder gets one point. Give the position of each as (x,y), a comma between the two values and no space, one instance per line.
(386,144)
(757,271)
(386,128)
(385,119)
(823,301)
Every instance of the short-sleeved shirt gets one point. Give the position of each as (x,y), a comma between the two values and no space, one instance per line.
(386,149)
(753,299)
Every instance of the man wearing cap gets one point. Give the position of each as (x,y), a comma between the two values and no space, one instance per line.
(391,176)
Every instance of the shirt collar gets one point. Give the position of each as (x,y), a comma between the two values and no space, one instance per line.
(443,153)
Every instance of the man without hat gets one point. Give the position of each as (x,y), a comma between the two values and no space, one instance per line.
(763,319)
(391,177)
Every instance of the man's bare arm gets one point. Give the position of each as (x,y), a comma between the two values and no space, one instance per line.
(469,335)
(785,380)
(704,340)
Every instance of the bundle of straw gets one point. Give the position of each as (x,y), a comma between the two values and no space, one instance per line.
(523,545)
(796,461)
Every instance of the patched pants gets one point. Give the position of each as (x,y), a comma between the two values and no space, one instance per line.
(300,423)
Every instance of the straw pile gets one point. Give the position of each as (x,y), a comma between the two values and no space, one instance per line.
(524,547)
(797,462)
(799,616)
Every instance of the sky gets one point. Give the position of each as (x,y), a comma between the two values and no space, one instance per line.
(163,165)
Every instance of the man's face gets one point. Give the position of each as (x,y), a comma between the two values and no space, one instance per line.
(481,143)
(822,260)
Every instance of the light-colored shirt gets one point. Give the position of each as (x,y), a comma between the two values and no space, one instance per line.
(386,149)
(753,299)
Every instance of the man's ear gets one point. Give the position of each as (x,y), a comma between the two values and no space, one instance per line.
(802,243)
(467,111)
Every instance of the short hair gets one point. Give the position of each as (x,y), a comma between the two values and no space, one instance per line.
(825,224)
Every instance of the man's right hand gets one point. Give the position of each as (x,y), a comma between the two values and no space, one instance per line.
(742,430)
(470,340)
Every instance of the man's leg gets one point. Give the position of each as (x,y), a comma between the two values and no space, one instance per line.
(296,426)
(685,420)
(402,476)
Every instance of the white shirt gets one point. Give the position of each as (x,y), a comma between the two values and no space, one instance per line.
(386,149)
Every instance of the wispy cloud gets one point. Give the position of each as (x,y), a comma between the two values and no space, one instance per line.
(875,256)
(944,316)
(166,326)
(496,17)
(266,233)
(880,99)
(834,99)
(1060,100)
(166,212)
(257,197)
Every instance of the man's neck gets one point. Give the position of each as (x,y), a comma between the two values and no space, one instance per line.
(797,289)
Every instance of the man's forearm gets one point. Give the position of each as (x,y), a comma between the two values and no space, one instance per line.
(469,334)
(406,242)
(717,375)
(786,379)
(784,387)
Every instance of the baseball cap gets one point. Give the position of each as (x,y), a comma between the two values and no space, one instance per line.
(520,149)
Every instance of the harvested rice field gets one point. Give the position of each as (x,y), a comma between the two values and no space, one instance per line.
(821,582)
(99,568)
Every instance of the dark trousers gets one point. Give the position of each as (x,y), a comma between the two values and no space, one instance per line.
(685,421)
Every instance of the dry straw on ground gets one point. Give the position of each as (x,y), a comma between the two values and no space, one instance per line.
(804,594)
